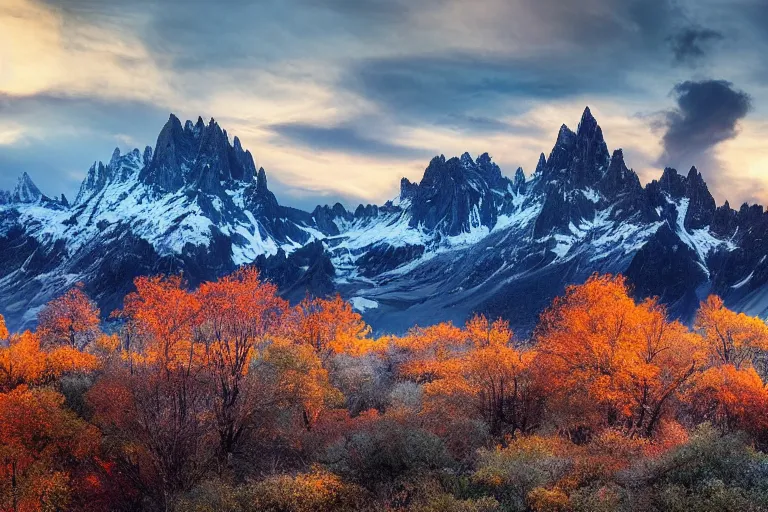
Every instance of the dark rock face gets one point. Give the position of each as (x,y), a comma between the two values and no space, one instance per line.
(456,195)
(464,239)
(306,271)
(667,268)
(197,155)
(701,204)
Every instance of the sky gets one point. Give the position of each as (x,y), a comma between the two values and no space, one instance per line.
(339,99)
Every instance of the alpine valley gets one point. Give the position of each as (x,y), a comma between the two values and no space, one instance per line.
(464,239)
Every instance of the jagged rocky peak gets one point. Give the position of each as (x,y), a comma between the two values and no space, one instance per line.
(197,156)
(672,183)
(454,196)
(26,191)
(261,180)
(490,171)
(518,184)
(701,204)
(541,165)
(259,199)
(407,189)
(325,217)
(578,159)
(119,169)
(618,179)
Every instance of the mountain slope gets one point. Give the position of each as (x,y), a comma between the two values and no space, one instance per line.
(464,239)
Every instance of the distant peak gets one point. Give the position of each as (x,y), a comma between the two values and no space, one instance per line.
(542,164)
(26,191)
(588,124)
(261,180)
(565,135)
(115,156)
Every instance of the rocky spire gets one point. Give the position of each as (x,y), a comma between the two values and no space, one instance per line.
(26,191)
(261,180)
(618,179)
(407,189)
(171,155)
(519,185)
(701,204)
(490,172)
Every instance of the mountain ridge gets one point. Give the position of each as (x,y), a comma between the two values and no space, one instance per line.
(465,238)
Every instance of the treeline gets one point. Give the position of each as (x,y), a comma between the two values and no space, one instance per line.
(226,398)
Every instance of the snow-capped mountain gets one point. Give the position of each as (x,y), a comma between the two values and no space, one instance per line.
(464,239)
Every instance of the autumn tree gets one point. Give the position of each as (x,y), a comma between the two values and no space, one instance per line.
(667,356)
(158,410)
(71,320)
(488,377)
(471,372)
(329,326)
(24,362)
(165,314)
(3,329)
(731,338)
(731,399)
(425,353)
(237,314)
(730,393)
(41,444)
(607,361)
(302,383)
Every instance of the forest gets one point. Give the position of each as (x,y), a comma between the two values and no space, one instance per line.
(227,398)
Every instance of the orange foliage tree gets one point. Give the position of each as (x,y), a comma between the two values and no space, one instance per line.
(23,361)
(607,361)
(72,320)
(237,315)
(475,371)
(165,314)
(41,444)
(730,393)
(731,399)
(3,329)
(330,326)
(731,338)
(158,408)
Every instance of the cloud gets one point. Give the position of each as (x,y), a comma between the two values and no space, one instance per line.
(56,138)
(463,89)
(345,139)
(356,79)
(707,113)
(690,45)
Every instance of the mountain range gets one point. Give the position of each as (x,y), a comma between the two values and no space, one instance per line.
(464,239)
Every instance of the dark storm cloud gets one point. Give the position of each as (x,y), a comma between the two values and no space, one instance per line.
(344,139)
(707,114)
(690,45)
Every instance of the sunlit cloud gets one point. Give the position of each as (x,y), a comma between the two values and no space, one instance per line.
(339,99)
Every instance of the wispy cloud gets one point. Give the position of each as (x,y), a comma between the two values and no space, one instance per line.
(339,98)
